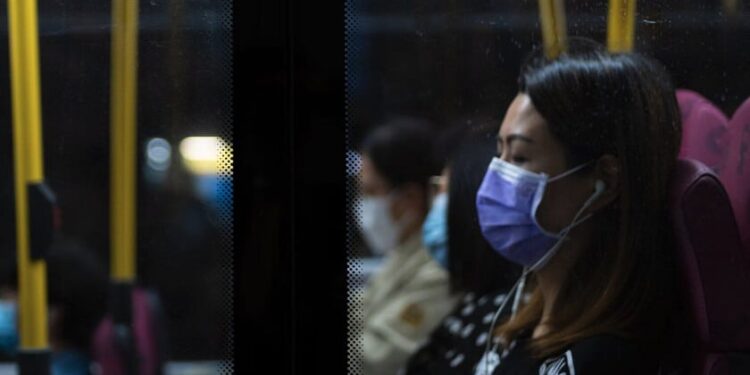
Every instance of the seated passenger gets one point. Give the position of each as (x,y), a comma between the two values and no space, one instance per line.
(481,275)
(409,296)
(77,301)
(578,196)
(78,294)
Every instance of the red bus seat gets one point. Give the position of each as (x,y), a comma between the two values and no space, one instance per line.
(714,277)
(704,130)
(736,174)
(149,338)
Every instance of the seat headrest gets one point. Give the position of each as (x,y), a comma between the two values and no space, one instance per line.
(686,99)
(704,130)
(714,269)
(736,172)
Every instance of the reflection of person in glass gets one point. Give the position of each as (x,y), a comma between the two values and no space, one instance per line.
(77,295)
(409,295)
(578,196)
(181,236)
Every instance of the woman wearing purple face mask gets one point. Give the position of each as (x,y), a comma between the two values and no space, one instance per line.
(577,195)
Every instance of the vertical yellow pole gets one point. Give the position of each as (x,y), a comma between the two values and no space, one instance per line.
(554,29)
(27,152)
(621,25)
(123,99)
(123,138)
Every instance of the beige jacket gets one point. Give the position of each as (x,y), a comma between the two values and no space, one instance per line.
(402,304)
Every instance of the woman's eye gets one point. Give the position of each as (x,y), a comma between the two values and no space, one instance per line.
(519,159)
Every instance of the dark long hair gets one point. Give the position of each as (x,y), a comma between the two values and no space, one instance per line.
(597,103)
(472,264)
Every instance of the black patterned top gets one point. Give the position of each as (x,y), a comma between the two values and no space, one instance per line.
(458,346)
(458,343)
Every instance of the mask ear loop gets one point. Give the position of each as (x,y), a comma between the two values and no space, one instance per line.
(564,233)
(519,285)
(544,183)
(569,172)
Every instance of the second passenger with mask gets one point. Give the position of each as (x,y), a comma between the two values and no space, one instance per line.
(409,295)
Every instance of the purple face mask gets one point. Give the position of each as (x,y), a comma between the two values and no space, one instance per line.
(507,202)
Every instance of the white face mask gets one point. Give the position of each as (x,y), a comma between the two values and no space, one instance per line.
(380,231)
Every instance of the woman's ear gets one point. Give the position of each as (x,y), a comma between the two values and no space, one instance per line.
(607,174)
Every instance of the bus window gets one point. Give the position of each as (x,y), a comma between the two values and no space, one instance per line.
(181,155)
(458,65)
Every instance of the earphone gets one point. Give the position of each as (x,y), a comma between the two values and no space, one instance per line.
(599,187)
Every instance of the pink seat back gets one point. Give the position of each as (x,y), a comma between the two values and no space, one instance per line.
(704,130)
(714,272)
(686,100)
(146,332)
(736,174)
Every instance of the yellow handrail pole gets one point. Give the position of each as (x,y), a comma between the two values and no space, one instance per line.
(554,29)
(27,152)
(123,110)
(621,25)
(32,235)
(123,139)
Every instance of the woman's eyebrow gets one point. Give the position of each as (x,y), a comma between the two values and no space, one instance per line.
(514,137)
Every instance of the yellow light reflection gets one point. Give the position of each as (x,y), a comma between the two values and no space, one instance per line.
(206,155)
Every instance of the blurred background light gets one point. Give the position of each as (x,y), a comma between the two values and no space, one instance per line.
(206,155)
(158,154)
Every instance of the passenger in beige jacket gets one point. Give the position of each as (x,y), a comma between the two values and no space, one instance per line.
(409,295)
